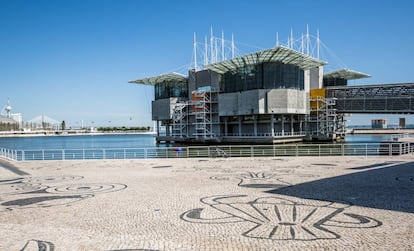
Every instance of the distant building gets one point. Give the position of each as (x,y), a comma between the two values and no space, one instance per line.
(18,118)
(42,122)
(8,120)
(8,124)
(378,123)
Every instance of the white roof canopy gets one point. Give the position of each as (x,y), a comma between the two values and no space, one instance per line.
(170,77)
(277,54)
(346,74)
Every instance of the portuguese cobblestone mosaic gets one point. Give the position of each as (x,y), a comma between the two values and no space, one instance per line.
(209,204)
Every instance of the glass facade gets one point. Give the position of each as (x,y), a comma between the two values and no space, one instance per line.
(171,89)
(335,82)
(272,75)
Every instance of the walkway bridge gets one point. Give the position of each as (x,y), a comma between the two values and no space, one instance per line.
(383,98)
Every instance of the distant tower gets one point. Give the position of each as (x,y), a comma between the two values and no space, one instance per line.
(8,109)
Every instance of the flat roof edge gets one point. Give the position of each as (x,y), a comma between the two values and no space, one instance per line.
(170,77)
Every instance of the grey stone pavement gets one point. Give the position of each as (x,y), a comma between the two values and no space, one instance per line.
(317,203)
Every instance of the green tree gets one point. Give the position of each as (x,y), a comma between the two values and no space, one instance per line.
(63,125)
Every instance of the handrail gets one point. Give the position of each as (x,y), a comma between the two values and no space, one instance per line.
(289,150)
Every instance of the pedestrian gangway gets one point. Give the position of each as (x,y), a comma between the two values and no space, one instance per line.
(382,98)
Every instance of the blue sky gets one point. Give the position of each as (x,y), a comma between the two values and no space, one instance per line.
(71,60)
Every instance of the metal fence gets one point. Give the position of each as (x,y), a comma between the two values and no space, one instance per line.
(291,150)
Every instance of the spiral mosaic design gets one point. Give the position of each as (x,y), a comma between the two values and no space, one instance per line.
(21,188)
(10,181)
(41,192)
(86,188)
(51,179)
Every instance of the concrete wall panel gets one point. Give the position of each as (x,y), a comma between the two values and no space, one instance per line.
(162,109)
(287,101)
(248,102)
(314,79)
(228,104)
(252,102)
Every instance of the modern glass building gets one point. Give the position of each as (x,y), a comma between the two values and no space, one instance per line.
(262,97)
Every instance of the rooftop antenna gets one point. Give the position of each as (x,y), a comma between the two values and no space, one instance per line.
(195,52)
(205,51)
(223,57)
(232,46)
(307,39)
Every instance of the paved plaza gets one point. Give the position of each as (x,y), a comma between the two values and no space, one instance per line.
(317,203)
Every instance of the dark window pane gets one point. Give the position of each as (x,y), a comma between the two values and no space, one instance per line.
(170,89)
(270,75)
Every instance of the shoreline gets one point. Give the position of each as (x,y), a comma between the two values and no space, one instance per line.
(44,133)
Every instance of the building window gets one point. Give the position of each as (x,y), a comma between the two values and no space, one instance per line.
(335,82)
(278,75)
(170,89)
(274,75)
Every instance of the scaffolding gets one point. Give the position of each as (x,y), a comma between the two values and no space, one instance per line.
(324,122)
(179,120)
(323,114)
(202,111)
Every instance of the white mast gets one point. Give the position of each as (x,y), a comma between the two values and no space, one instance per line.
(302,44)
(317,42)
(232,46)
(205,51)
(195,52)
(223,57)
(216,58)
(288,45)
(211,46)
(277,39)
(291,38)
(307,39)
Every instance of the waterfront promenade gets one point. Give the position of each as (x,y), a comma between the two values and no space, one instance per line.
(271,203)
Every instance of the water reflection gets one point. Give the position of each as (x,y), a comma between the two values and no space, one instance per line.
(368,138)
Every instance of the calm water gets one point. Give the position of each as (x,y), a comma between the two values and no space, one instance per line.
(120,141)
(367,138)
(79,142)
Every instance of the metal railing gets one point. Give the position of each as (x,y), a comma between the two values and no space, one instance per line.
(291,150)
(277,134)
